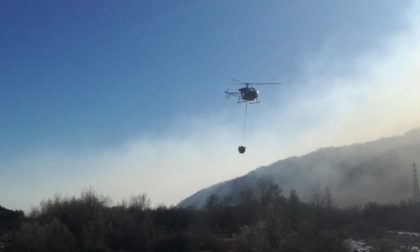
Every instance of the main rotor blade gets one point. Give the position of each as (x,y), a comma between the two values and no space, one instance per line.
(238,81)
(265,83)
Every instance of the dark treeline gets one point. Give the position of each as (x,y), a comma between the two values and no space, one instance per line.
(262,220)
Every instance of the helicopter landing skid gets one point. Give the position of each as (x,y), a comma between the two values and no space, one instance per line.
(242,101)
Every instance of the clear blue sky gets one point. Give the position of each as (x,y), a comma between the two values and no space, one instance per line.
(81,76)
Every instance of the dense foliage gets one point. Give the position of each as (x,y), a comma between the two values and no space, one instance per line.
(263,220)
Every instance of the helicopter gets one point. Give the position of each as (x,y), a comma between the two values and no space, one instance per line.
(247,93)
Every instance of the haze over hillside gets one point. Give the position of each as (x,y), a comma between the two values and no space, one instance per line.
(379,171)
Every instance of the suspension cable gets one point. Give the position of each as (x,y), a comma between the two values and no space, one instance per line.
(244,126)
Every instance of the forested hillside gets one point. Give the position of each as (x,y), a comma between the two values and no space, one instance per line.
(351,195)
(271,221)
(379,171)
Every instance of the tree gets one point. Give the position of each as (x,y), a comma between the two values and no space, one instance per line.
(35,237)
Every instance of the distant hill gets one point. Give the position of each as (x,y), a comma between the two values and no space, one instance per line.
(379,171)
(9,219)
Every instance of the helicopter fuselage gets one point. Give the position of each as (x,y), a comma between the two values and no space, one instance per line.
(248,93)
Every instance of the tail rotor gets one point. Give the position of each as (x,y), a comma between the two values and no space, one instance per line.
(227,93)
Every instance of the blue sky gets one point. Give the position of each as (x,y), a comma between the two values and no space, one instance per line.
(87,84)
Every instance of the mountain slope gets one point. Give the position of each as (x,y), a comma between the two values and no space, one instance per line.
(375,171)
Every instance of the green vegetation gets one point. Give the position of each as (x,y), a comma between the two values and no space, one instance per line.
(262,220)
